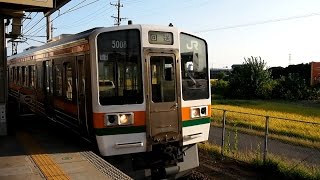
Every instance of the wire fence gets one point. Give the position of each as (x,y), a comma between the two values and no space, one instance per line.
(243,135)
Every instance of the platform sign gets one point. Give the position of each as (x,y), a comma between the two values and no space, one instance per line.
(315,73)
(36,3)
(26,99)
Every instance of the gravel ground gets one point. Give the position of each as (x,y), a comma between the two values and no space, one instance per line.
(210,168)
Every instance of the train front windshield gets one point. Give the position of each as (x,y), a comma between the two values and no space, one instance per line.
(119,68)
(194,68)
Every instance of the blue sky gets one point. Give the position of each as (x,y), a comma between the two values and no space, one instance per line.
(233,29)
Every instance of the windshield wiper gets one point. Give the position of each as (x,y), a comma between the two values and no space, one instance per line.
(195,84)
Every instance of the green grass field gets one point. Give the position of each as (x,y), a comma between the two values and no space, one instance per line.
(275,167)
(301,133)
(301,108)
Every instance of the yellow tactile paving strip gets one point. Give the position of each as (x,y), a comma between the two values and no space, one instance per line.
(45,163)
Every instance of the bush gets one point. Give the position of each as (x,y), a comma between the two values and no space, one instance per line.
(291,87)
(251,80)
(314,93)
(220,87)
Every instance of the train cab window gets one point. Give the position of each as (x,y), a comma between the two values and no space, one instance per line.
(119,68)
(68,80)
(58,80)
(194,68)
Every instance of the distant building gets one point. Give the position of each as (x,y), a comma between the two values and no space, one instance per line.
(214,72)
(236,66)
(315,73)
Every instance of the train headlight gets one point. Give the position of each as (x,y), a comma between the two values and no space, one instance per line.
(126,119)
(116,119)
(195,112)
(111,119)
(204,111)
(200,111)
(123,119)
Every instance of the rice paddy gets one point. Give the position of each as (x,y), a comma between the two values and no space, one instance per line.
(298,122)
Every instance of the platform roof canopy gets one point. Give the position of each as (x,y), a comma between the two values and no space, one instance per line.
(15,8)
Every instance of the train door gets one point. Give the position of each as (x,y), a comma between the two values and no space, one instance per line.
(48,87)
(162,106)
(81,95)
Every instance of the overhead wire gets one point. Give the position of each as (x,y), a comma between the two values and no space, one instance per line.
(82,22)
(35,24)
(259,22)
(82,6)
(25,26)
(35,40)
(154,11)
(87,18)
(59,15)
(69,10)
(72,9)
(27,17)
(33,36)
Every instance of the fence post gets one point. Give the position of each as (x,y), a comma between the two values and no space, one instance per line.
(266,140)
(223,131)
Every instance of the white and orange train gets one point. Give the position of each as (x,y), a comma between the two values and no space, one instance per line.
(141,90)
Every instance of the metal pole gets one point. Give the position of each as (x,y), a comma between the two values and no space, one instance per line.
(223,131)
(3,79)
(49,28)
(266,140)
(118,12)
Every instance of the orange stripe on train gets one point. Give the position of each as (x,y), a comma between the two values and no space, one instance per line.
(186,113)
(139,119)
(67,107)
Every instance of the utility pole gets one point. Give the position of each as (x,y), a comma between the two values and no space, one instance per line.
(118,18)
(14,49)
(3,78)
(289,59)
(49,28)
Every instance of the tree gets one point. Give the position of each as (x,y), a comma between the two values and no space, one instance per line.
(251,80)
(221,75)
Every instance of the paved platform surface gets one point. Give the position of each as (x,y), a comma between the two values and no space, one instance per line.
(34,149)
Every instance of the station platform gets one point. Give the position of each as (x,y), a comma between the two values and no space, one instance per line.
(35,149)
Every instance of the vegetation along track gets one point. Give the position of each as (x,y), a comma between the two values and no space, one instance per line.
(212,167)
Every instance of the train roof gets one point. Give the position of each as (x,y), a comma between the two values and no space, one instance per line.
(82,35)
(70,38)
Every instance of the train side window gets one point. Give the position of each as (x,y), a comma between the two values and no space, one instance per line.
(68,80)
(12,75)
(163,85)
(31,75)
(35,76)
(26,77)
(47,81)
(23,79)
(58,80)
(39,75)
(18,75)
